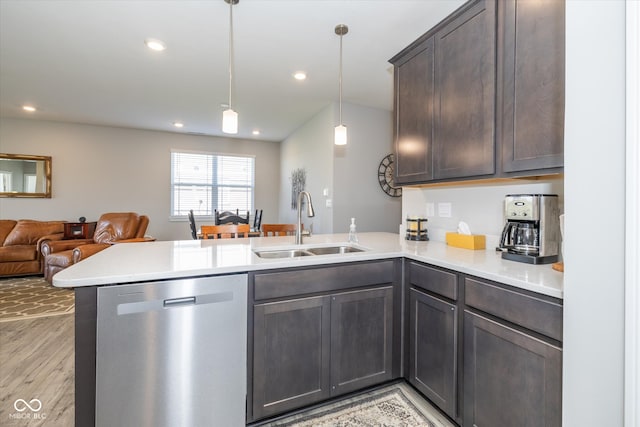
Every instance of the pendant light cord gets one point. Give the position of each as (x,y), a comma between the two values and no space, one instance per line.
(340,81)
(230,49)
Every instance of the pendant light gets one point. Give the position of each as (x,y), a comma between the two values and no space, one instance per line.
(230,117)
(340,134)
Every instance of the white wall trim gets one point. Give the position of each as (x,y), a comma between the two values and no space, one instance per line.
(632,245)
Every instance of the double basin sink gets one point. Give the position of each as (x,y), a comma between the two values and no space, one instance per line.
(299,252)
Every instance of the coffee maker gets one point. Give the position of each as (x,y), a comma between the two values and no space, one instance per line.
(531,230)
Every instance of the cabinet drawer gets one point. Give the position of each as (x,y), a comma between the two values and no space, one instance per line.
(533,313)
(431,279)
(322,279)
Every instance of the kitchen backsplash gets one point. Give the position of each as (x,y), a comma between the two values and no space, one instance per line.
(480,206)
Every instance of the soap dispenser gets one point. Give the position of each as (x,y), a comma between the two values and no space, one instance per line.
(353,237)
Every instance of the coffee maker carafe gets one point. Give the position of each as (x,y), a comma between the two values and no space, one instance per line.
(531,230)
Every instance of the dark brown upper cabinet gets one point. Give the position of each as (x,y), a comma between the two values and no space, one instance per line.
(465,62)
(414,114)
(481,94)
(532,76)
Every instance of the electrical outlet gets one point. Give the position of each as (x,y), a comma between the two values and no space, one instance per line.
(444,210)
(431,210)
(328,203)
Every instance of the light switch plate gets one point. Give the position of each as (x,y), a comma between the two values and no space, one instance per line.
(444,210)
(431,209)
(328,203)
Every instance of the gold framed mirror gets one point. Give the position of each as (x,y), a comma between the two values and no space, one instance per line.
(25,176)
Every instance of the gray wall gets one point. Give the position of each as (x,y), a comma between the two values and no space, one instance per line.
(348,174)
(309,148)
(355,172)
(97,169)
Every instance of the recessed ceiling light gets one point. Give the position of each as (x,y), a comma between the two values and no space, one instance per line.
(256,132)
(299,75)
(178,124)
(29,108)
(155,44)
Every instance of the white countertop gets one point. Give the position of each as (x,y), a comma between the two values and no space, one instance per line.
(137,262)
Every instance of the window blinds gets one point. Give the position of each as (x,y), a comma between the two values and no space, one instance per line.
(205,182)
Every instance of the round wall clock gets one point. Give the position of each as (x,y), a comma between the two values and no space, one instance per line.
(385,177)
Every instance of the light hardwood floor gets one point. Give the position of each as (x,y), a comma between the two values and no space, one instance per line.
(37,362)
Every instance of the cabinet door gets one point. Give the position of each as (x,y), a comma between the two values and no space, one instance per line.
(414,116)
(290,354)
(533,85)
(510,378)
(361,339)
(464,137)
(432,349)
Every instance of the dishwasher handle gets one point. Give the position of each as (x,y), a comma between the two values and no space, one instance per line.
(173,302)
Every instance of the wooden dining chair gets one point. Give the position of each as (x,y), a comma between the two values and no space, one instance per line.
(279,229)
(224,231)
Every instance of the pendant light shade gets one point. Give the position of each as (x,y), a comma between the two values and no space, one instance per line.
(340,133)
(229,116)
(340,136)
(229,121)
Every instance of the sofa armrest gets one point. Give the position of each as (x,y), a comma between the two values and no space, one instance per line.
(85,251)
(51,246)
(48,238)
(45,239)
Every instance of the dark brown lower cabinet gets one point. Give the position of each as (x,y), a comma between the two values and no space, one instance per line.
(309,349)
(511,378)
(361,339)
(485,353)
(433,355)
(290,354)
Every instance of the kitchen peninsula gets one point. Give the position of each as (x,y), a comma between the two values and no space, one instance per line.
(188,258)
(423,295)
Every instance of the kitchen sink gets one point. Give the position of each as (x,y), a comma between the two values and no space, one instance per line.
(289,253)
(328,250)
(298,252)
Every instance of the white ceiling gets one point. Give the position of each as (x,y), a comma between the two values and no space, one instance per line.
(85,61)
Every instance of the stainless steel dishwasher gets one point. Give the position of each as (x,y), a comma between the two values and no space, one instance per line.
(172,353)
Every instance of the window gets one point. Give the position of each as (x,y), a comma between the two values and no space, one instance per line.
(205,182)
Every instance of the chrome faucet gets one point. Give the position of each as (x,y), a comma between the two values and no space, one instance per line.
(310,213)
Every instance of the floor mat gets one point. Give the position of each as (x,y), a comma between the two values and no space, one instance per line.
(386,407)
(32,297)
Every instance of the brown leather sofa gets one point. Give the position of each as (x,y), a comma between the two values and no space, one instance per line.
(21,243)
(116,227)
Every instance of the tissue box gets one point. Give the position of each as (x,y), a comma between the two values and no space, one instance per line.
(466,241)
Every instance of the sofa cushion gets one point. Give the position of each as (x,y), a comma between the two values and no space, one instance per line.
(19,268)
(18,253)
(27,232)
(6,225)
